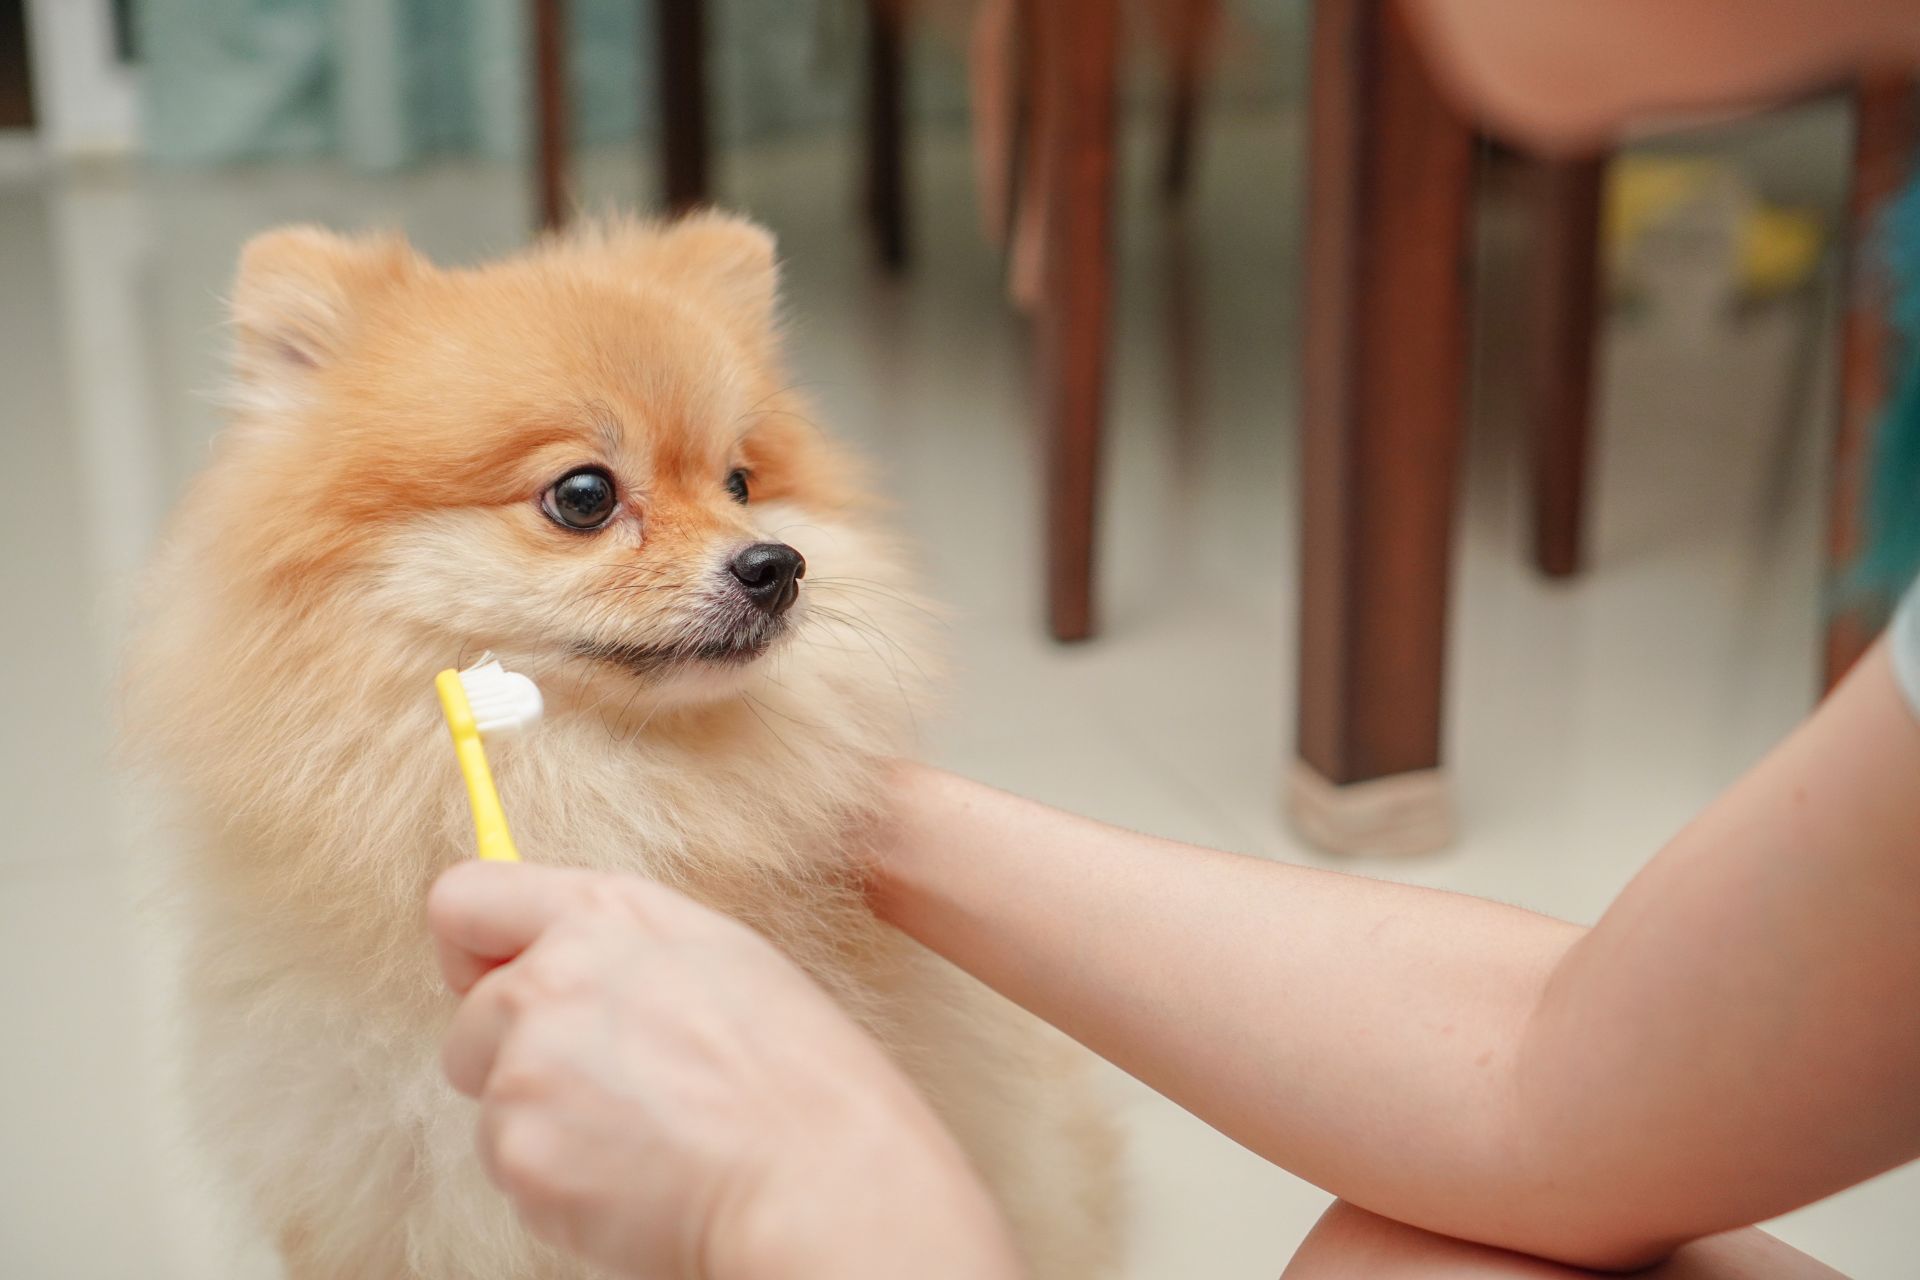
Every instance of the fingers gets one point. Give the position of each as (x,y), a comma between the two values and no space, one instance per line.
(473,1038)
(487,916)
(522,1003)
(491,921)
(522,1000)
(483,914)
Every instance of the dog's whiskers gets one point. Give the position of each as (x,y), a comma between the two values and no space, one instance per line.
(868,633)
(881,591)
(752,705)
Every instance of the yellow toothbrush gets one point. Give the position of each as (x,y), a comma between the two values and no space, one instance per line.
(486,698)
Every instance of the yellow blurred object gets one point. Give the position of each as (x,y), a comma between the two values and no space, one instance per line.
(1777,249)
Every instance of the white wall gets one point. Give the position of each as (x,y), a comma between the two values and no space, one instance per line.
(83,97)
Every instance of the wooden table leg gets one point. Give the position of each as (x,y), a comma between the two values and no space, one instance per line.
(684,144)
(1886,127)
(551,140)
(1077,67)
(1565,198)
(886,128)
(1188,28)
(1390,185)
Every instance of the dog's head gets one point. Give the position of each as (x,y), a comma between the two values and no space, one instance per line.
(586,459)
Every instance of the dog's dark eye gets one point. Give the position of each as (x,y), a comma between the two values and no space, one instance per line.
(582,499)
(737,484)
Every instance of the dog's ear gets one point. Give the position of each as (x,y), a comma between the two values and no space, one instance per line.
(296,298)
(726,261)
(733,256)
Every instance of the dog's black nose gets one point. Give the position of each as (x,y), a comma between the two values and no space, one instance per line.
(770,573)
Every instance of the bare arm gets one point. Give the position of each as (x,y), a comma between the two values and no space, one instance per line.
(1739,1035)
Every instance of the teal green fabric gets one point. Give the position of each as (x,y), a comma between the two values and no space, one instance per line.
(384,83)
(1892,557)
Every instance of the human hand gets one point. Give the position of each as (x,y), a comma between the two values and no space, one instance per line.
(664,1093)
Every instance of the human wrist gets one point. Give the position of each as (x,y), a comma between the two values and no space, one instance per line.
(898,842)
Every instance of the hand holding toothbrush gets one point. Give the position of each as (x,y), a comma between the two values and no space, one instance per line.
(664,1093)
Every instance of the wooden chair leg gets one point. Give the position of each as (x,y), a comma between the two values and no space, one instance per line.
(886,128)
(997,110)
(1077,66)
(551,140)
(1028,172)
(1187,27)
(684,144)
(1389,190)
(1565,284)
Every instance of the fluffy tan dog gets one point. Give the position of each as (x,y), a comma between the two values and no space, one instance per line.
(587,460)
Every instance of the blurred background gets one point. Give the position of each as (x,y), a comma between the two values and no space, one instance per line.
(1553,499)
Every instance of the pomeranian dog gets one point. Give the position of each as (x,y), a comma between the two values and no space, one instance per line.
(587,460)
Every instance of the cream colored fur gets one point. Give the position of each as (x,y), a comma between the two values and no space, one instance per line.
(281,683)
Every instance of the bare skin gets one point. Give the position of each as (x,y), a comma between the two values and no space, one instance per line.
(1735,1038)
(664,1093)
(1570,75)
(1352,1244)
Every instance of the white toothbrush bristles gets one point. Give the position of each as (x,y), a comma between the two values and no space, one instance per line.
(502,700)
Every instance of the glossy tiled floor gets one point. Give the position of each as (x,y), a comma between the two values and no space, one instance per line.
(1588,720)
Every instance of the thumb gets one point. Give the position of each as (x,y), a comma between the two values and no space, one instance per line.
(483,914)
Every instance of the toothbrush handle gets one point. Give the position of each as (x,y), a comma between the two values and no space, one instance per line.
(489,820)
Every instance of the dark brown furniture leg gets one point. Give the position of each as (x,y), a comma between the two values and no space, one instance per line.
(1079,52)
(1565,309)
(1389,188)
(1189,29)
(683,103)
(1885,132)
(551,141)
(16,69)
(886,123)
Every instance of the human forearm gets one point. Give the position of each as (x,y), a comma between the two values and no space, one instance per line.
(1357,1032)
(1733,1039)
(1736,1036)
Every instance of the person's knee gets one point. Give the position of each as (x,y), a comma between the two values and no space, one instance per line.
(1350,1242)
